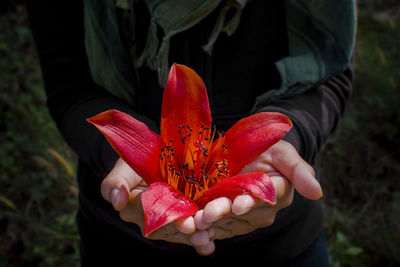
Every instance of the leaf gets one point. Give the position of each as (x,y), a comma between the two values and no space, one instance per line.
(62,161)
(341,238)
(8,203)
(74,190)
(354,251)
(49,167)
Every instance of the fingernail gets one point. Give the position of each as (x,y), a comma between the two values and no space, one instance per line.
(115,195)
(207,249)
(200,238)
(199,221)
(322,192)
(319,188)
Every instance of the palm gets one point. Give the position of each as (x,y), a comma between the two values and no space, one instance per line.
(287,171)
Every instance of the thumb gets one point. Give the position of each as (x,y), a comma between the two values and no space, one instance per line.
(305,183)
(285,158)
(118,183)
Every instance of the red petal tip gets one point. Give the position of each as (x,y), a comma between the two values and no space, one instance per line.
(256,184)
(133,141)
(163,204)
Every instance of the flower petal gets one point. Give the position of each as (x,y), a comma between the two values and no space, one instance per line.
(257,184)
(185,102)
(253,135)
(163,204)
(133,141)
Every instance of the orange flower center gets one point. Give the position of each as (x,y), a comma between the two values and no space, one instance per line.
(192,164)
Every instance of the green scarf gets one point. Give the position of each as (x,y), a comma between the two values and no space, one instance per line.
(321,37)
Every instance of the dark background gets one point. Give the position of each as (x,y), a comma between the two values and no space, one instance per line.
(360,163)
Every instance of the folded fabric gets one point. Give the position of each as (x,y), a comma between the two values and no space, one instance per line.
(321,36)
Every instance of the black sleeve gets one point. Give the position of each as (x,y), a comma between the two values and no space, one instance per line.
(72,95)
(315,114)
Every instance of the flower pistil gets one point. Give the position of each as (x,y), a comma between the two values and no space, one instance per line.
(193,163)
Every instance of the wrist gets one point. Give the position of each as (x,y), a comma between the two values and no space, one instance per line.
(294,138)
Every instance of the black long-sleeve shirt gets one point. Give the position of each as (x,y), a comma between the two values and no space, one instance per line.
(240,68)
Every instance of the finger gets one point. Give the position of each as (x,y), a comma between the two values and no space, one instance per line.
(207,249)
(216,209)
(285,158)
(211,233)
(282,187)
(186,225)
(260,214)
(169,233)
(119,197)
(133,211)
(116,186)
(199,221)
(200,238)
(243,203)
(284,191)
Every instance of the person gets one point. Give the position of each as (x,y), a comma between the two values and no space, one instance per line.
(101,55)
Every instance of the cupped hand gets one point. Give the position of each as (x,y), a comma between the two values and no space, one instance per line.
(122,188)
(287,170)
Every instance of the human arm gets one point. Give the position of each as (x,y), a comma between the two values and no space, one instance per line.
(224,219)
(122,188)
(315,115)
(72,95)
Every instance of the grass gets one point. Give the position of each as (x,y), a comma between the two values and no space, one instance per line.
(360,163)
(39,195)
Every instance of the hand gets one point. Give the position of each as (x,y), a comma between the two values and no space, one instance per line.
(287,170)
(122,188)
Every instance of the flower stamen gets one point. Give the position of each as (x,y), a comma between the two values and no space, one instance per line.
(190,166)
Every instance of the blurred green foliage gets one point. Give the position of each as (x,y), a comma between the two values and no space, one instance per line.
(38,196)
(360,164)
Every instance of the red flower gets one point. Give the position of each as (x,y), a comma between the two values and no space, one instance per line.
(191,164)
